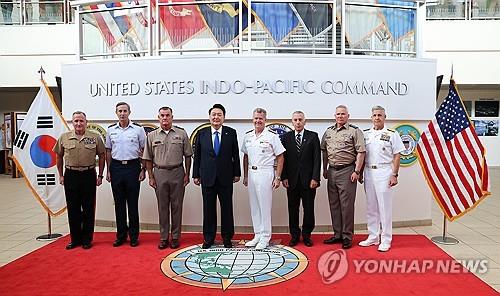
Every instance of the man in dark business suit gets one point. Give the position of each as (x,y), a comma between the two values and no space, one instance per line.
(216,167)
(301,177)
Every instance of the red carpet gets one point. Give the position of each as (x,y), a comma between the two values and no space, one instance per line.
(104,270)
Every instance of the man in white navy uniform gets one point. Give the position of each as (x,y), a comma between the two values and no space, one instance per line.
(380,176)
(261,147)
(125,142)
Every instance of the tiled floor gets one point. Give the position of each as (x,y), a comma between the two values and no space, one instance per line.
(22,220)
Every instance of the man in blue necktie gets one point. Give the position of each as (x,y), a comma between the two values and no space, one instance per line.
(216,167)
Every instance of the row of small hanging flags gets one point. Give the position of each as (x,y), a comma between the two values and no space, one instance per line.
(183,22)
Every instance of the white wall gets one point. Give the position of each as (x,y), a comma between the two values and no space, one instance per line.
(473,47)
(23,49)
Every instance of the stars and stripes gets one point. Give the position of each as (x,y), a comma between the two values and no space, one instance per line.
(453,158)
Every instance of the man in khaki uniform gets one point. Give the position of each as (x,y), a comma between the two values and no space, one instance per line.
(76,151)
(165,150)
(343,148)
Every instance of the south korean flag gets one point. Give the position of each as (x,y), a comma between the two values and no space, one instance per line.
(33,153)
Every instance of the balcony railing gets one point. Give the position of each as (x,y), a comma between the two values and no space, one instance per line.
(15,12)
(167,27)
(109,29)
(27,12)
(463,9)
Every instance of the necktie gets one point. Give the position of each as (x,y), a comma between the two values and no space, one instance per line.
(298,143)
(216,143)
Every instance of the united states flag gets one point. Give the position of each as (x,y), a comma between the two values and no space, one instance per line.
(453,158)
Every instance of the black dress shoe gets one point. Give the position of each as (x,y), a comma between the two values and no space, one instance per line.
(332,240)
(163,245)
(72,246)
(118,242)
(346,243)
(207,245)
(87,246)
(228,243)
(293,242)
(134,243)
(174,244)
(308,242)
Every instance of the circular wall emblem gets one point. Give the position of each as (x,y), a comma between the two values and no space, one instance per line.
(192,138)
(235,268)
(410,136)
(149,127)
(94,127)
(41,151)
(279,128)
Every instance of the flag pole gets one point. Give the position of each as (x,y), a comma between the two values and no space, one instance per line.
(49,235)
(444,240)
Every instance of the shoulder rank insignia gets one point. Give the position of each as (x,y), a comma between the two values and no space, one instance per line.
(112,125)
(353,126)
(135,123)
(178,127)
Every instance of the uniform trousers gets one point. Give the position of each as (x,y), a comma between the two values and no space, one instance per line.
(379,203)
(260,191)
(170,196)
(341,196)
(125,185)
(295,195)
(80,191)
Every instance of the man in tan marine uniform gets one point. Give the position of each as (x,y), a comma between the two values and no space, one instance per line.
(76,151)
(166,149)
(343,148)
